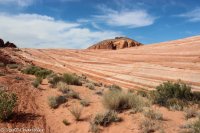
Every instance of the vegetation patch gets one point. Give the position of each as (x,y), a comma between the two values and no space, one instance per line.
(2,64)
(12,66)
(190,112)
(55,101)
(152,114)
(174,95)
(71,79)
(63,87)
(85,102)
(76,112)
(91,86)
(115,88)
(37,82)
(37,71)
(120,100)
(7,104)
(106,118)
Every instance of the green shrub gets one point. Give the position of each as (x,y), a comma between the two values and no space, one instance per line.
(54,80)
(37,82)
(2,74)
(66,122)
(55,101)
(72,94)
(90,86)
(106,118)
(7,104)
(169,90)
(13,66)
(63,87)
(152,114)
(37,71)
(85,102)
(119,100)
(142,93)
(176,104)
(2,64)
(71,79)
(76,112)
(190,112)
(148,126)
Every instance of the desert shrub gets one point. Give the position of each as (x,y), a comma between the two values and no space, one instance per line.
(196,96)
(2,74)
(66,122)
(55,101)
(115,87)
(7,104)
(12,66)
(71,79)
(190,112)
(119,100)
(152,114)
(176,104)
(97,84)
(63,87)
(142,93)
(194,126)
(106,118)
(2,64)
(90,86)
(54,80)
(73,94)
(85,102)
(37,71)
(94,128)
(37,82)
(148,126)
(76,112)
(168,90)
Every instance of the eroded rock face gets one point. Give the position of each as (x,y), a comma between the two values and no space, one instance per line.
(117,43)
(7,44)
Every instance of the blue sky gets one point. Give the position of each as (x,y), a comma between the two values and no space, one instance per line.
(80,23)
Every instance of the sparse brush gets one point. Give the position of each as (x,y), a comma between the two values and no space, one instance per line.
(73,94)
(37,71)
(63,87)
(66,122)
(94,128)
(148,126)
(193,127)
(152,114)
(90,86)
(85,102)
(76,112)
(190,112)
(119,100)
(7,104)
(54,80)
(71,79)
(106,118)
(2,64)
(176,104)
(2,74)
(12,66)
(55,101)
(37,82)
(115,88)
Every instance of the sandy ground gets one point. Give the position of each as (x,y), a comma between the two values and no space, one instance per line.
(139,67)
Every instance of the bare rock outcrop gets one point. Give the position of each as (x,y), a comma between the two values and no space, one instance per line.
(7,44)
(117,43)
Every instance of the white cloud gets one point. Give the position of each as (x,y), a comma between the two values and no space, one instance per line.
(130,18)
(192,16)
(38,31)
(21,3)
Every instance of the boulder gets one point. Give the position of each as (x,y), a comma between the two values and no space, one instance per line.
(10,45)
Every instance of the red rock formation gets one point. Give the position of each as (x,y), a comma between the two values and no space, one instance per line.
(7,44)
(117,43)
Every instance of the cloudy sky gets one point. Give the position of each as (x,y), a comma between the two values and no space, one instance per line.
(80,23)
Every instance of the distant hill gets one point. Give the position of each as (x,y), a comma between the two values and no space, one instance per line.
(117,43)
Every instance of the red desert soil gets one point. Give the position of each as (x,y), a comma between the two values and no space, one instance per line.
(138,67)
